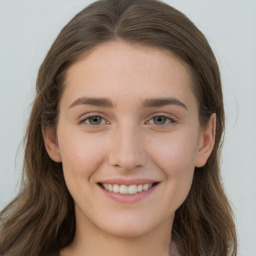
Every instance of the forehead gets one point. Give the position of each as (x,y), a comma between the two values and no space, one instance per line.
(128,72)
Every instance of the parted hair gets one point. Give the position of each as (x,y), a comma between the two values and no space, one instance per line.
(41,218)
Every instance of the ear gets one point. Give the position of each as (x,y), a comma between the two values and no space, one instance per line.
(51,144)
(206,142)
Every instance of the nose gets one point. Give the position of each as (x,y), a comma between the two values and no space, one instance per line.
(127,151)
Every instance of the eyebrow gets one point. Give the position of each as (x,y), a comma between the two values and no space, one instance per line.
(100,102)
(160,102)
(147,103)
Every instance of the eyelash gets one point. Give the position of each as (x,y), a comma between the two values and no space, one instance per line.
(168,120)
(93,116)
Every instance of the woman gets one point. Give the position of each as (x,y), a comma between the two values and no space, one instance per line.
(122,146)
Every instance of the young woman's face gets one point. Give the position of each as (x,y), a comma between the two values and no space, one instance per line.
(128,122)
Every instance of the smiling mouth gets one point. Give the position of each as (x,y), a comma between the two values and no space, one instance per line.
(127,190)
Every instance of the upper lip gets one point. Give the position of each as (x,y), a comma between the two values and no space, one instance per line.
(128,181)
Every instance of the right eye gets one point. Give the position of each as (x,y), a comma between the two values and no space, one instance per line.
(94,120)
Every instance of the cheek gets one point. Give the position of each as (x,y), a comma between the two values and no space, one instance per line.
(175,156)
(81,154)
(175,153)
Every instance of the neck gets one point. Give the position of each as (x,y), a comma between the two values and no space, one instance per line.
(116,246)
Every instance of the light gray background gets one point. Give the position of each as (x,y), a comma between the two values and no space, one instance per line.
(28,28)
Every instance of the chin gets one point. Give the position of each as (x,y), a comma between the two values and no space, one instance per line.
(127,231)
(129,225)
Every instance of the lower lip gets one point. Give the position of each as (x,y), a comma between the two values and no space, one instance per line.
(129,198)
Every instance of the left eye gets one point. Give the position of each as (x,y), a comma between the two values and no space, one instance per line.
(95,120)
(160,120)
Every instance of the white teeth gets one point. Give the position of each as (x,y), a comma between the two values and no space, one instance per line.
(132,189)
(140,188)
(145,186)
(116,189)
(123,189)
(110,188)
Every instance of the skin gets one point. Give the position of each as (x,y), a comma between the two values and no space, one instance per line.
(129,144)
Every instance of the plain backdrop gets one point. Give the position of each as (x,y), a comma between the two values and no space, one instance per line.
(27,30)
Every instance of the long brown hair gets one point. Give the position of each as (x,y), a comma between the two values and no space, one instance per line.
(41,218)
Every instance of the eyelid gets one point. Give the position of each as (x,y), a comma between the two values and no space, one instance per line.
(92,114)
(173,120)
